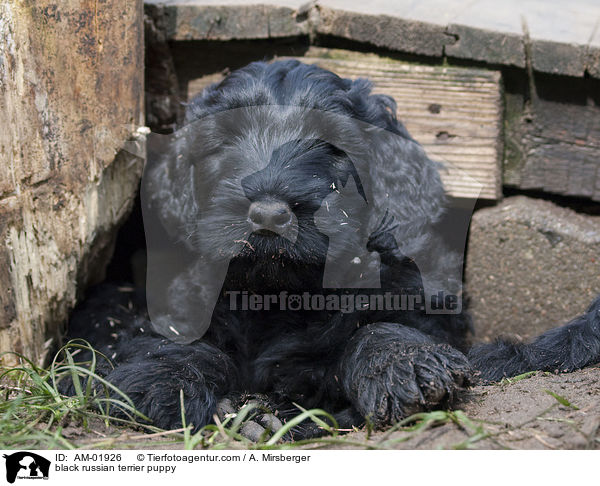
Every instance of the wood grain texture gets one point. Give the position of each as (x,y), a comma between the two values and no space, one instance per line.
(455,113)
(71,95)
(554,146)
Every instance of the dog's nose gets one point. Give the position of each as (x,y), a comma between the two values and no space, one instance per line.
(267,215)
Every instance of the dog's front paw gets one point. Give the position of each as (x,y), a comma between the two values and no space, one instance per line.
(155,389)
(400,379)
(258,420)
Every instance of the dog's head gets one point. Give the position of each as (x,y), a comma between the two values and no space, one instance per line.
(285,164)
(256,197)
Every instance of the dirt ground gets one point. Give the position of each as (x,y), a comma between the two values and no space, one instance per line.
(541,411)
(521,415)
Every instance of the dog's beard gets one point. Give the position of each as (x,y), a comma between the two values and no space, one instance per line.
(272,263)
(220,237)
(260,260)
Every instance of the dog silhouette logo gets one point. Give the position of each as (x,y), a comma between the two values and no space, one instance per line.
(26,465)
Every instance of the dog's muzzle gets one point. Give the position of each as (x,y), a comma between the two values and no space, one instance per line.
(270,216)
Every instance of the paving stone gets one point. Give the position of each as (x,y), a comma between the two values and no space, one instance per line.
(384,31)
(484,45)
(557,58)
(531,265)
(190,21)
(565,38)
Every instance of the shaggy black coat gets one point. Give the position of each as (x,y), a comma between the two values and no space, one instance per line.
(378,364)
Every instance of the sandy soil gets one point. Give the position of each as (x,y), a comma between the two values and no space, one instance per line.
(520,415)
(542,411)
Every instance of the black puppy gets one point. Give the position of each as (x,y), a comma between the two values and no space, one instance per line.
(251,191)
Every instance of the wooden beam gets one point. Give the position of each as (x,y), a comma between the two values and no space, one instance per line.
(71,95)
(553,139)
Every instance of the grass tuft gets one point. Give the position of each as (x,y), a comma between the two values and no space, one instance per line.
(514,379)
(562,400)
(35,414)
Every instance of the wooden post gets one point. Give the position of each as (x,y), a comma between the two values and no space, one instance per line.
(71,95)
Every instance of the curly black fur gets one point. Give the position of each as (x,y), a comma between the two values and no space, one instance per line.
(380,365)
(563,349)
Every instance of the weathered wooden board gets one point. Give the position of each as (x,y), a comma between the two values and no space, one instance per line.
(455,113)
(553,144)
(71,94)
(565,38)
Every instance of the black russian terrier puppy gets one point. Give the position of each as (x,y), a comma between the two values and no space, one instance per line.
(253,192)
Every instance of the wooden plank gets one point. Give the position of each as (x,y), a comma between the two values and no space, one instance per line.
(455,113)
(71,95)
(553,144)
